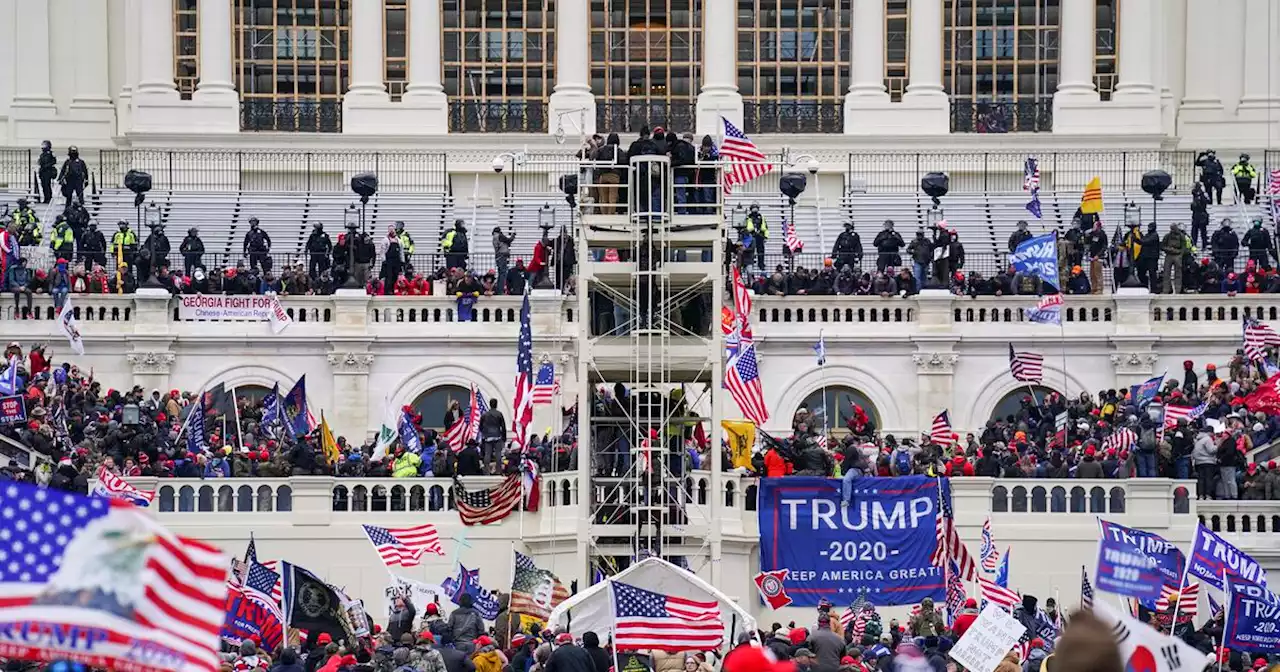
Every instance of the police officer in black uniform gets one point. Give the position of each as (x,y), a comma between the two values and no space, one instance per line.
(74,176)
(319,249)
(848,248)
(257,246)
(48,170)
(192,249)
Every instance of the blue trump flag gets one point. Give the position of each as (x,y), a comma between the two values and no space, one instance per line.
(879,546)
(1212,556)
(1136,563)
(1146,392)
(1038,257)
(468,583)
(295,408)
(409,433)
(1253,618)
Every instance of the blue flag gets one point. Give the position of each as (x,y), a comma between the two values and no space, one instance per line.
(1136,563)
(1002,571)
(1143,394)
(1031,183)
(195,428)
(409,434)
(468,583)
(466,307)
(1038,257)
(10,382)
(1253,618)
(820,350)
(1212,556)
(271,407)
(295,408)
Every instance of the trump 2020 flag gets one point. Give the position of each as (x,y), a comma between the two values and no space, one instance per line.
(1146,392)
(468,582)
(1212,556)
(100,581)
(1038,257)
(1253,617)
(114,487)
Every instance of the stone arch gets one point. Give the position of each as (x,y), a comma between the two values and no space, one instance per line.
(838,375)
(463,375)
(837,397)
(987,393)
(253,374)
(1012,398)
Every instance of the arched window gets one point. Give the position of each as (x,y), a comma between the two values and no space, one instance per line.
(433,404)
(252,393)
(844,399)
(1011,402)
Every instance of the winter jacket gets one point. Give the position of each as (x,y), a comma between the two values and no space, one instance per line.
(1204,451)
(465,624)
(1089,468)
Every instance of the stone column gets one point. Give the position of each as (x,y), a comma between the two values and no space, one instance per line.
(1202,80)
(31,85)
(1261,77)
(368,37)
(425,92)
(867,69)
(926,50)
(572,103)
(1075,58)
(1133,366)
(1136,70)
(151,369)
(124,100)
(350,394)
(155,58)
(215,96)
(719,96)
(91,55)
(935,377)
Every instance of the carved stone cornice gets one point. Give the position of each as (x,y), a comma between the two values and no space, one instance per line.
(935,362)
(350,362)
(153,363)
(1134,363)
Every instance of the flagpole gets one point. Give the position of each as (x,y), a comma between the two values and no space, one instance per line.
(181,430)
(235,408)
(510,614)
(1226,614)
(822,372)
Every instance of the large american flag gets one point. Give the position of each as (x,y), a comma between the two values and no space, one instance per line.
(998,595)
(955,592)
(741,297)
(987,552)
(467,425)
(404,545)
(940,433)
(950,547)
(1086,589)
(1121,439)
(742,160)
(141,586)
(644,619)
(481,507)
(789,236)
(1026,367)
(742,379)
(1172,413)
(1273,188)
(545,385)
(1187,601)
(523,413)
(1257,338)
(115,487)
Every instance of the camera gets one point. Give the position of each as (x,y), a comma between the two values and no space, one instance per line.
(498,164)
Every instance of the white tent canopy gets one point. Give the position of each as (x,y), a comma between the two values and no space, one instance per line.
(592,609)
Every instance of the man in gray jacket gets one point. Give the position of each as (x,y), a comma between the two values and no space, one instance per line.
(502,254)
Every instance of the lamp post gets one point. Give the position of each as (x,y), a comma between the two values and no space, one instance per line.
(792,164)
(151,215)
(350,222)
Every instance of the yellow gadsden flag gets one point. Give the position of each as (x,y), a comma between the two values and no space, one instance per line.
(741,437)
(327,443)
(1091,202)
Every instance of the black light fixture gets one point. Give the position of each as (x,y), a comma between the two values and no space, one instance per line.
(935,185)
(364,185)
(792,185)
(569,185)
(139,183)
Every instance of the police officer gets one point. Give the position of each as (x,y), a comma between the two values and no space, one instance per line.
(755,226)
(454,245)
(155,252)
(73,176)
(1211,173)
(406,242)
(848,248)
(257,246)
(93,247)
(192,249)
(319,249)
(48,170)
(1225,245)
(29,231)
(1261,248)
(1245,174)
(1019,236)
(887,243)
(62,239)
(124,243)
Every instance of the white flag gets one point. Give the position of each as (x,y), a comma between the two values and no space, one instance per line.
(67,323)
(1142,647)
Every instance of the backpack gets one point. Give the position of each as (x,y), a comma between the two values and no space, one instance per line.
(684,154)
(902,462)
(1147,442)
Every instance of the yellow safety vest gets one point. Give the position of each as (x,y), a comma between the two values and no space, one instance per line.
(123,239)
(447,243)
(751,226)
(61,237)
(406,243)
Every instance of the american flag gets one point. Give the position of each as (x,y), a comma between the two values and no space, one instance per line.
(940,433)
(1190,596)
(955,592)
(277,590)
(1257,338)
(468,424)
(987,552)
(741,297)
(523,413)
(743,160)
(790,238)
(1026,367)
(999,595)
(535,591)
(1273,188)
(481,507)
(1086,589)
(1121,439)
(1023,647)
(545,386)
(1031,185)
(1172,414)
(647,620)
(115,487)
(257,590)
(404,545)
(949,546)
(742,379)
(141,586)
